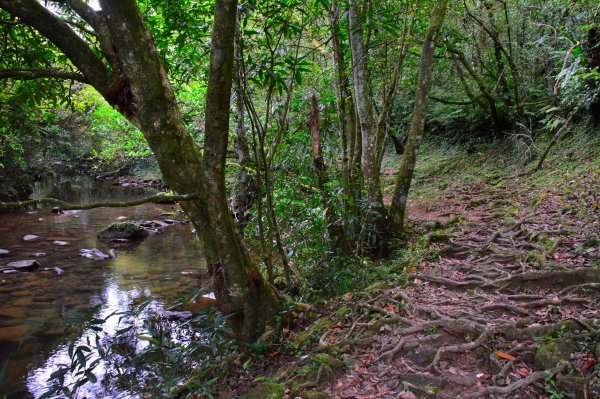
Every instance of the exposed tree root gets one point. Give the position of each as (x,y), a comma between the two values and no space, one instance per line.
(498,290)
(517,385)
(561,277)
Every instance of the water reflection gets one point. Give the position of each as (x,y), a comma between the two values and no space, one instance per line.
(34,305)
(115,300)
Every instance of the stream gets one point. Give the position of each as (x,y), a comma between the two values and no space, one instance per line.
(34,305)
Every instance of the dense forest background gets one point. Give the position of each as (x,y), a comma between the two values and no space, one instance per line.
(340,115)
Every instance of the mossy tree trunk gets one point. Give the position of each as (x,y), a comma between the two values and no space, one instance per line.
(351,164)
(375,212)
(132,79)
(335,232)
(246,192)
(238,283)
(417,126)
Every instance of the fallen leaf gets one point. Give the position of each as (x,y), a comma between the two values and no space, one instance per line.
(523,372)
(506,356)
(347,297)
(589,364)
(390,308)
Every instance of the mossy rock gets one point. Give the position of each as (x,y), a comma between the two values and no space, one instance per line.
(574,384)
(438,237)
(381,285)
(266,390)
(342,312)
(327,360)
(549,355)
(327,364)
(455,221)
(123,230)
(315,330)
(433,225)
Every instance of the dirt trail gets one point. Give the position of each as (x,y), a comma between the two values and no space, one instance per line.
(509,308)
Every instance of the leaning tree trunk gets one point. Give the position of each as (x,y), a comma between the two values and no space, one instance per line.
(137,85)
(239,288)
(417,126)
(237,282)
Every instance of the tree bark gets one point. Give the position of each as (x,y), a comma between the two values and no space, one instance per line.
(348,133)
(364,110)
(417,126)
(364,107)
(335,235)
(245,194)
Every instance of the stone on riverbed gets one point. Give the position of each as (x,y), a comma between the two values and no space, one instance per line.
(30,237)
(24,265)
(60,243)
(127,230)
(4,252)
(94,254)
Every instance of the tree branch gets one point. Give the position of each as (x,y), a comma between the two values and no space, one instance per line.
(86,12)
(41,73)
(161,198)
(94,19)
(68,41)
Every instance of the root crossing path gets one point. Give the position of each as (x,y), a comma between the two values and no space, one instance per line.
(509,308)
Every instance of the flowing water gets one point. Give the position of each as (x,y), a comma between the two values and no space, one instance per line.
(34,305)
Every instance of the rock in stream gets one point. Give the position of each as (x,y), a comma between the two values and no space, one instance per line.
(95,254)
(23,265)
(123,230)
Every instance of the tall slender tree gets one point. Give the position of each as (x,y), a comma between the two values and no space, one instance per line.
(417,126)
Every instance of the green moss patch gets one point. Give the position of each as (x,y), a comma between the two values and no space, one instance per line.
(123,230)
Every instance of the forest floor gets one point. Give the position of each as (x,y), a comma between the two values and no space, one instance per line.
(506,301)
(509,299)
(497,292)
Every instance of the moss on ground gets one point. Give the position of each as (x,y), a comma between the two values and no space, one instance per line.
(312,333)
(266,390)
